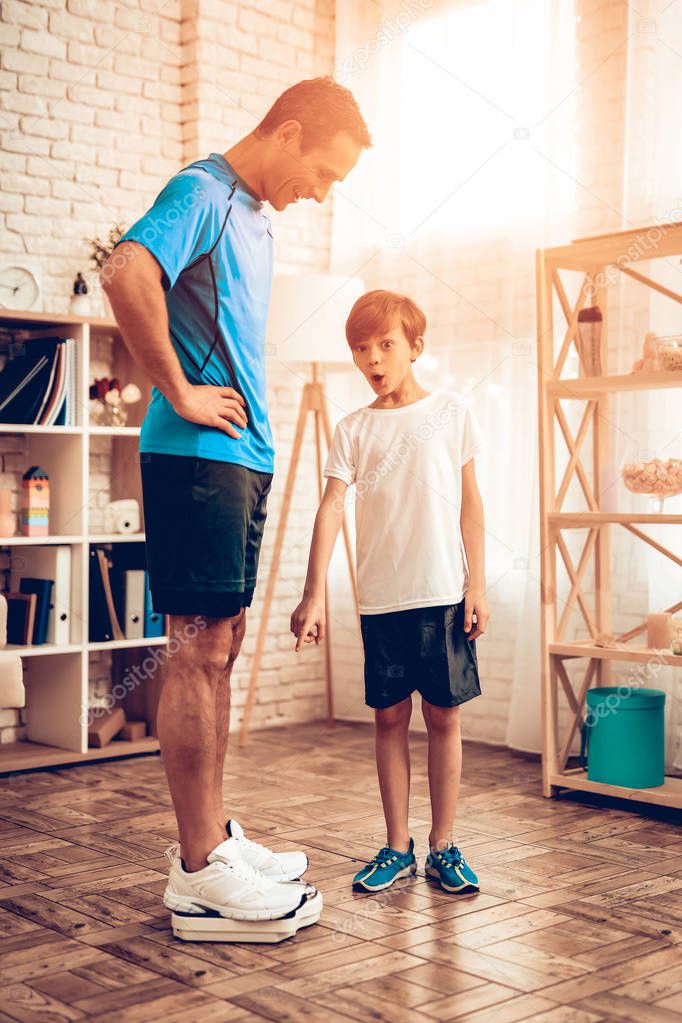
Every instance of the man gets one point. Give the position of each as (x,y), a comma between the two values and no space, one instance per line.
(190,287)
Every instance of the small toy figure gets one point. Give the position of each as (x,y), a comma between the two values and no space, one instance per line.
(35,502)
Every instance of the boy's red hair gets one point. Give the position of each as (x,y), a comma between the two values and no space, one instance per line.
(377,311)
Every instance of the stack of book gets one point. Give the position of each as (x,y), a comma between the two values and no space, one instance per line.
(38,381)
(39,601)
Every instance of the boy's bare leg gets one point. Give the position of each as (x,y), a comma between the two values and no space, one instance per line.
(188,731)
(445,769)
(393,767)
(223,711)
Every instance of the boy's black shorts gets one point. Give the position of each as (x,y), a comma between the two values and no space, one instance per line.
(204,524)
(424,648)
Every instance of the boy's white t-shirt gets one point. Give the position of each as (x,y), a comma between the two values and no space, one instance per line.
(407,467)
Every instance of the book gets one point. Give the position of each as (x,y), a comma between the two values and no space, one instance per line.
(66,407)
(99,622)
(21,610)
(104,567)
(50,385)
(71,403)
(56,396)
(43,591)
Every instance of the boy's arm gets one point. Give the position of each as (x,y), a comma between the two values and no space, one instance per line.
(473,537)
(310,612)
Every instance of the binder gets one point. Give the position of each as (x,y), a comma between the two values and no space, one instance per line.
(43,591)
(134,585)
(153,620)
(52,563)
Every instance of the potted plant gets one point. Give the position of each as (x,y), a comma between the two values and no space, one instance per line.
(100,250)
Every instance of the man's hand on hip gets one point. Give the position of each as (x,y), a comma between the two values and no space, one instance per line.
(213,406)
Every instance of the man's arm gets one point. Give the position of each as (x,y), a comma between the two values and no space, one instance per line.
(311,610)
(135,290)
(473,537)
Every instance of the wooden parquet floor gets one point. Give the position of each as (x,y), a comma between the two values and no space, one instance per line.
(579,918)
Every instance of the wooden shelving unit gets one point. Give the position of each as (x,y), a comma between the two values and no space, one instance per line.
(57,689)
(591,258)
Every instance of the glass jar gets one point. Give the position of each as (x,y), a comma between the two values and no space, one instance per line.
(669,352)
(643,472)
(676,644)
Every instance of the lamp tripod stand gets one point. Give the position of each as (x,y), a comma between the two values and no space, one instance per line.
(312,400)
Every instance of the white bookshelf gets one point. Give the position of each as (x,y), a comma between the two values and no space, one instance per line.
(57,690)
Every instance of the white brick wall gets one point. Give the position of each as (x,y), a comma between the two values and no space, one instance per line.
(100,103)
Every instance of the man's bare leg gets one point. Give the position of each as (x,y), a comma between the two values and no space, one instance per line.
(223,711)
(188,730)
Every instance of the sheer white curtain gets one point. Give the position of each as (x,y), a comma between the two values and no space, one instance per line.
(652,191)
(459,189)
(474,111)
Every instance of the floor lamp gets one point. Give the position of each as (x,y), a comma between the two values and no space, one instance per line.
(306,325)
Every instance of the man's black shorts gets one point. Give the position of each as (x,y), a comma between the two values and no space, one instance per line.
(204,524)
(424,648)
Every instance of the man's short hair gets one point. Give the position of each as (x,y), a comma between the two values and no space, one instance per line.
(323,108)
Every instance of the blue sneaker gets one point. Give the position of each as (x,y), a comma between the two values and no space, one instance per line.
(386,867)
(450,868)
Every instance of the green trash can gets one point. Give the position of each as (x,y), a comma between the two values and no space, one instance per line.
(623,736)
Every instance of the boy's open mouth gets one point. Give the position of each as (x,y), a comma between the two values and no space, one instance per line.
(377,378)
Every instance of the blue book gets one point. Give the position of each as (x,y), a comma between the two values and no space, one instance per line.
(153,622)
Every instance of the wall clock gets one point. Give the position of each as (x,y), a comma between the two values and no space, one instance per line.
(19,287)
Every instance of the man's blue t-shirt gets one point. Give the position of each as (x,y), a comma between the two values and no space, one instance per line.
(213,242)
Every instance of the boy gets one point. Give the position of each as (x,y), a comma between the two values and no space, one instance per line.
(417,504)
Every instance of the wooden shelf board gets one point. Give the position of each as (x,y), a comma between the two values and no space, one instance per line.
(126,644)
(58,431)
(623,652)
(585,387)
(600,250)
(23,317)
(116,537)
(605,518)
(25,756)
(668,794)
(38,541)
(43,649)
(114,431)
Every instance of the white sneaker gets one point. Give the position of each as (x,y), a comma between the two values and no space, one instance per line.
(285,866)
(230,887)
